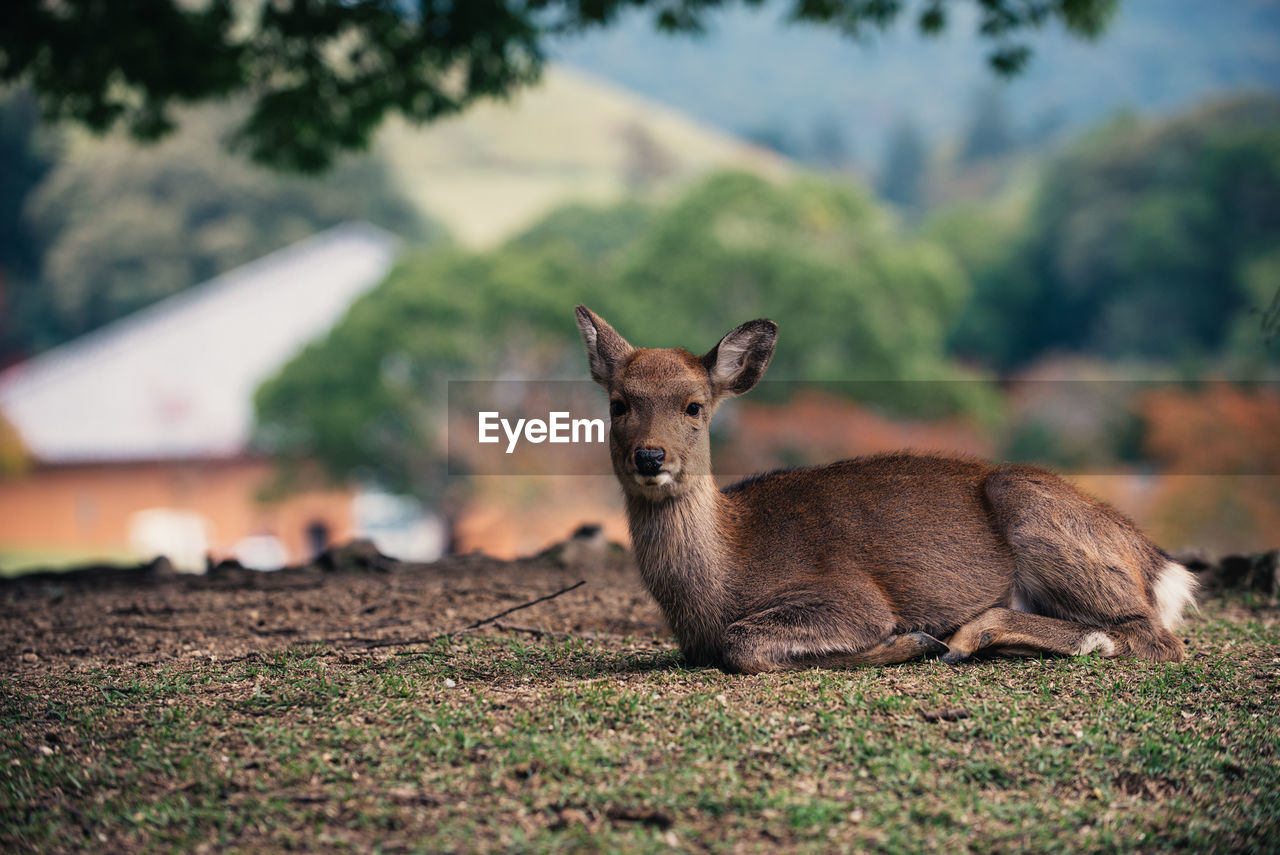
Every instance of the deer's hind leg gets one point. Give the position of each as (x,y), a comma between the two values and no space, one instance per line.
(893,650)
(1015,633)
(1083,580)
(817,634)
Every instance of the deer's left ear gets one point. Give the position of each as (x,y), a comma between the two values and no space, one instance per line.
(738,362)
(606,350)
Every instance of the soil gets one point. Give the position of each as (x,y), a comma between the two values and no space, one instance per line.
(349,599)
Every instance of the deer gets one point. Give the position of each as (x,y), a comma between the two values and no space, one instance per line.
(867,561)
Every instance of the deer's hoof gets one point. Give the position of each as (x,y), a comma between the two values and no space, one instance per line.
(930,647)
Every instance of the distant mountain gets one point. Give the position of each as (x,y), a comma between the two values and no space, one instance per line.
(497,168)
(754,74)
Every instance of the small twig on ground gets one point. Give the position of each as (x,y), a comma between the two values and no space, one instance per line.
(279,630)
(945,715)
(399,642)
(542,599)
(532,630)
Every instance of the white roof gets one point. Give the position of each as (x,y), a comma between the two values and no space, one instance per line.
(176,380)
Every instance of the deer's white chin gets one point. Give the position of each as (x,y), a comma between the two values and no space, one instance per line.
(659,486)
(662,479)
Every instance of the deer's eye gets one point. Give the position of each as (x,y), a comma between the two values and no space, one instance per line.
(617,408)
(694,409)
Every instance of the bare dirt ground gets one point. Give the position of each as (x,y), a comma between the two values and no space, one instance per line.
(123,620)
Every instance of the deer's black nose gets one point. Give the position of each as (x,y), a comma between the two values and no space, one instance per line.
(649,460)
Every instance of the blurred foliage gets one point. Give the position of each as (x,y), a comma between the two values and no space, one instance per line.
(1219,440)
(990,133)
(26,156)
(854,299)
(116,227)
(906,168)
(14,459)
(324,73)
(1151,240)
(1077,423)
(596,235)
(1215,428)
(989,241)
(1143,241)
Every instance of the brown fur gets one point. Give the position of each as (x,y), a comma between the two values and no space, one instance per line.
(865,560)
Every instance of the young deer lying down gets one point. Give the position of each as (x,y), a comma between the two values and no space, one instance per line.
(866,561)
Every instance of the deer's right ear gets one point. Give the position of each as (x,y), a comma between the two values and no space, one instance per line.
(605,348)
(737,363)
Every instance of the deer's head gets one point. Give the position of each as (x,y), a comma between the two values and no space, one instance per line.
(661,400)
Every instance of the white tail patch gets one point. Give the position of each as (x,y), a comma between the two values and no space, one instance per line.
(1096,642)
(1175,590)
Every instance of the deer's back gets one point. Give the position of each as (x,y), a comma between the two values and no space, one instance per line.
(917,527)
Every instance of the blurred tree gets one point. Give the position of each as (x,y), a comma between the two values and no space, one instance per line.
(120,228)
(862,301)
(1145,240)
(25,158)
(989,134)
(906,166)
(1261,279)
(324,73)
(855,301)
(989,240)
(598,235)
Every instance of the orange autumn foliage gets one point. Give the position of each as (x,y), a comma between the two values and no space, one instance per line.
(1223,430)
(1220,448)
(817,427)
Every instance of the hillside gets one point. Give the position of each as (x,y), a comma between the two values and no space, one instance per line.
(484,175)
(497,168)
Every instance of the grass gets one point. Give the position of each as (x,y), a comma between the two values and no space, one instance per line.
(15,562)
(505,744)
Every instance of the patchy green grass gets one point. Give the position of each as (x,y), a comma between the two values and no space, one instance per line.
(15,562)
(505,744)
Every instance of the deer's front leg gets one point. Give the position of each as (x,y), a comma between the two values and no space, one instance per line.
(816,634)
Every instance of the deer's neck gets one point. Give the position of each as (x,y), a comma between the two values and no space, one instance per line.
(682,549)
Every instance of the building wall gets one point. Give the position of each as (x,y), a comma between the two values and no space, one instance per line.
(82,508)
